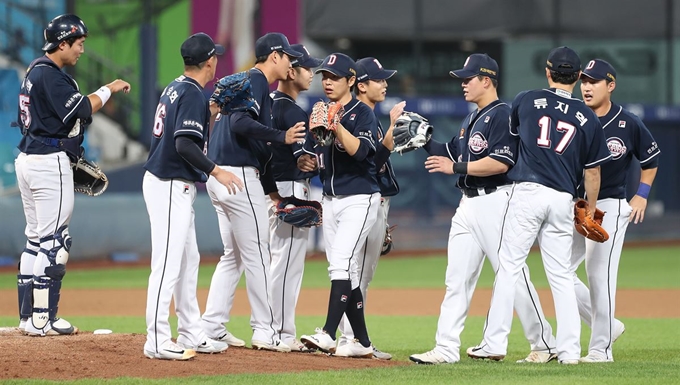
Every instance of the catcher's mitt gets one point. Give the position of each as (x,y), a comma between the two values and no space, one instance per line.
(411,131)
(299,212)
(233,93)
(88,178)
(387,241)
(323,120)
(590,228)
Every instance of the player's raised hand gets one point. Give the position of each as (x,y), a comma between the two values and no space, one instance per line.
(296,133)
(307,163)
(228,179)
(119,85)
(639,205)
(439,164)
(396,112)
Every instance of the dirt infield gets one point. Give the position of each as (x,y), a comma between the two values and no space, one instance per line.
(83,355)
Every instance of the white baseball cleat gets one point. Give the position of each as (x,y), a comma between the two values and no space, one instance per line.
(569,362)
(379,354)
(22,324)
(429,358)
(354,348)
(231,340)
(595,358)
(478,353)
(619,329)
(276,346)
(58,327)
(172,351)
(298,347)
(538,357)
(320,340)
(209,346)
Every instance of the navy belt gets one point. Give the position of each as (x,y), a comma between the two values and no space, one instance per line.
(475,192)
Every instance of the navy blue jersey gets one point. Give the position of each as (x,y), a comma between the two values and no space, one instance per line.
(559,137)
(232,134)
(341,173)
(285,114)
(386,179)
(483,133)
(182,110)
(50,106)
(627,137)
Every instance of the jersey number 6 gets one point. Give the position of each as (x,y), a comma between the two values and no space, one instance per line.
(544,137)
(159,121)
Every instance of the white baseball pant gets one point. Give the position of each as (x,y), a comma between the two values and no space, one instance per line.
(246,212)
(536,212)
(597,305)
(174,262)
(289,248)
(367,261)
(347,220)
(475,232)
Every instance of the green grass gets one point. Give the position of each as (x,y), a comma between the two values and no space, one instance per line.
(640,268)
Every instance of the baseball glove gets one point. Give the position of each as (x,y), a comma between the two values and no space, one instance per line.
(233,93)
(411,131)
(387,241)
(300,212)
(589,227)
(323,121)
(88,178)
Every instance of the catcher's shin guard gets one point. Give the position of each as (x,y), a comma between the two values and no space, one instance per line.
(46,287)
(25,281)
(25,292)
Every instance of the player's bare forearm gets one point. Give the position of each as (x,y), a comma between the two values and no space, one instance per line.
(639,202)
(486,167)
(348,141)
(388,140)
(591,182)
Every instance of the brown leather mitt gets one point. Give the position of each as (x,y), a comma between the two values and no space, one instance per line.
(589,227)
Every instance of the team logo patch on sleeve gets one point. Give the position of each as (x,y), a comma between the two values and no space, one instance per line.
(616,147)
(487,119)
(477,143)
(351,117)
(622,124)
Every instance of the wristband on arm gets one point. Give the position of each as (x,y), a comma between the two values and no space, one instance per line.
(643,190)
(460,167)
(104,94)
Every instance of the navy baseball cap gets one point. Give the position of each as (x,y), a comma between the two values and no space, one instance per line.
(369,68)
(198,48)
(274,41)
(338,64)
(305,60)
(563,60)
(477,64)
(599,69)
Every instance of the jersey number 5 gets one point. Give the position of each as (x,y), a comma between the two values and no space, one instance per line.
(159,121)
(544,137)
(24,103)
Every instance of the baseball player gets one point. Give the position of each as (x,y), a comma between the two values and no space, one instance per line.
(485,144)
(371,88)
(350,207)
(289,243)
(238,146)
(558,137)
(627,137)
(176,161)
(52,115)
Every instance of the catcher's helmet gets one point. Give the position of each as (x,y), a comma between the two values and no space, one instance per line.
(61,28)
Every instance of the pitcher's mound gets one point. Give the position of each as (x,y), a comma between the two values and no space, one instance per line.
(87,355)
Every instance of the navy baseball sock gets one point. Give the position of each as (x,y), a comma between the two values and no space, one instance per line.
(355,315)
(341,291)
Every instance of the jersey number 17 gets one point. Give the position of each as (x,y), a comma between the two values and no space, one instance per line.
(544,137)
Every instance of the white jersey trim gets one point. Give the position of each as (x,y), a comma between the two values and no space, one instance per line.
(651,157)
(595,163)
(614,117)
